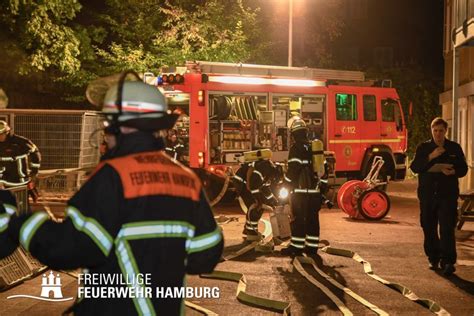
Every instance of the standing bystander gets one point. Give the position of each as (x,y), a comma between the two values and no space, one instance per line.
(439,163)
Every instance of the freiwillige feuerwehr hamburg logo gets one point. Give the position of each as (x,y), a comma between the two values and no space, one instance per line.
(49,284)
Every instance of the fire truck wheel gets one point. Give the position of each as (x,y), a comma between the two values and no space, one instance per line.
(374,204)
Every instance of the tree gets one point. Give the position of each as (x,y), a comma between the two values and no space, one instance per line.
(75,42)
(420,88)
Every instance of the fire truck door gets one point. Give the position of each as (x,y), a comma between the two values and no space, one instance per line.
(345,139)
(370,123)
(391,127)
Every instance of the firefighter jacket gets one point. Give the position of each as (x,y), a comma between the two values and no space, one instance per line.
(19,161)
(138,213)
(437,183)
(300,176)
(260,177)
(239,179)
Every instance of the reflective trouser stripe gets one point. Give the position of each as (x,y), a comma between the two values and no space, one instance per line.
(312,241)
(296,245)
(251,225)
(297,242)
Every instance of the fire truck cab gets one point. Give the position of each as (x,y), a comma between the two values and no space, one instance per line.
(228,109)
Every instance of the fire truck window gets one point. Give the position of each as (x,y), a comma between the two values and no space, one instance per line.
(234,125)
(388,110)
(178,103)
(370,112)
(346,107)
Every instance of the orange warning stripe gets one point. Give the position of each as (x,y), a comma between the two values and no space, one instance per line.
(154,173)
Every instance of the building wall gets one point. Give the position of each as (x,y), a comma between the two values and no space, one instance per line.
(465,131)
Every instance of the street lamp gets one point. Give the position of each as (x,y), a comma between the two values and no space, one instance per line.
(290,34)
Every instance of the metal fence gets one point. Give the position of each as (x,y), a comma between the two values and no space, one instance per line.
(66,140)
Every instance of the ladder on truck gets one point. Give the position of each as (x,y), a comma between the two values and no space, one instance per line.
(274,71)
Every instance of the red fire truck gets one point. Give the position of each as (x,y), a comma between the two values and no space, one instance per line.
(228,109)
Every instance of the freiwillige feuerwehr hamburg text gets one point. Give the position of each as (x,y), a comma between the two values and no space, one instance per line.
(117,285)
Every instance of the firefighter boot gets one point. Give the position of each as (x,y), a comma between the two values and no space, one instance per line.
(250,232)
(291,252)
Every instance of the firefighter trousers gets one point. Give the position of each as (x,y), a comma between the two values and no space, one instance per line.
(305,225)
(442,212)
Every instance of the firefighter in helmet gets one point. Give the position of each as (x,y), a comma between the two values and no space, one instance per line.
(305,196)
(140,213)
(261,175)
(19,160)
(174,146)
(245,197)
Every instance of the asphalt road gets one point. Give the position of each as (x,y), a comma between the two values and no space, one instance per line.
(393,246)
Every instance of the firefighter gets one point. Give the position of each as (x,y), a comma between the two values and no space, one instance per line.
(438,193)
(19,160)
(140,213)
(174,147)
(261,176)
(246,199)
(305,196)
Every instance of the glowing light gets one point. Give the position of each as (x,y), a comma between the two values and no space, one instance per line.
(237,80)
(297,82)
(283,194)
(261,81)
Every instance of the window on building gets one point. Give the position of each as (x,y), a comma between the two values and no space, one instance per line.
(370,111)
(388,110)
(346,107)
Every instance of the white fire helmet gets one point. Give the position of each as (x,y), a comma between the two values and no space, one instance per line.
(137,105)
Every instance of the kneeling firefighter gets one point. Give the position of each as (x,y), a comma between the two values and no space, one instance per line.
(139,214)
(305,169)
(262,174)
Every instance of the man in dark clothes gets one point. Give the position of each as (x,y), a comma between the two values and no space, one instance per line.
(438,192)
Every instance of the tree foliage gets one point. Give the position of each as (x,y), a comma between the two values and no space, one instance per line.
(416,86)
(75,42)
(43,33)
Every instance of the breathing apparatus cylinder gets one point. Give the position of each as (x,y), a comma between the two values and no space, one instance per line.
(318,157)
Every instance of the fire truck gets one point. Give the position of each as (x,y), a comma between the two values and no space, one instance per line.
(227,109)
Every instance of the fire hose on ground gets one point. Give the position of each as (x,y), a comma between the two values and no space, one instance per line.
(298,264)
